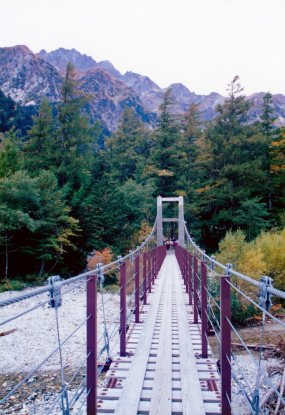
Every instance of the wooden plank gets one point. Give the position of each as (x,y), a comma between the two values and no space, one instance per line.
(109,406)
(129,402)
(192,399)
(162,389)
(115,393)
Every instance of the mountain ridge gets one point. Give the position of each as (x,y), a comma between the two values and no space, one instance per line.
(28,76)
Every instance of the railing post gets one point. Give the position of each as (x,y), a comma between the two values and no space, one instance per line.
(156,262)
(195,288)
(149,272)
(152,266)
(123,309)
(225,348)
(185,270)
(190,258)
(204,318)
(181,264)
(144,280)
(137,288)
(91,309)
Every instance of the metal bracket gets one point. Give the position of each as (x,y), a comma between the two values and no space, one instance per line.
(120,260)
(212,262)
(228,270)
(100,275)
(55,299)
(265,296)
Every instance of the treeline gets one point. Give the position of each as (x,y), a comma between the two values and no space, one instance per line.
(65,190)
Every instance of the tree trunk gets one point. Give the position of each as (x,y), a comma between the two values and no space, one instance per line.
(6,258)
(42,268)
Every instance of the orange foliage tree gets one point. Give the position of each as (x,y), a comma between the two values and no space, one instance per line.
(96,257)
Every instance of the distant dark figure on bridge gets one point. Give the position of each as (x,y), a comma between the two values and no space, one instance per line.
(167,243)
(174,243)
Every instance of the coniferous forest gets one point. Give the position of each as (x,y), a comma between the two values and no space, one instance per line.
(66,189)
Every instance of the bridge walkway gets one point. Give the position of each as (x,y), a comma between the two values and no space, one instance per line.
(163,372)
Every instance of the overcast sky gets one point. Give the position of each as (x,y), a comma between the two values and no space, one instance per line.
(201,43)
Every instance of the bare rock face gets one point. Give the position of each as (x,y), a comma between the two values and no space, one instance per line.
(278,105)
(27,78)
(59,58)
(109,97)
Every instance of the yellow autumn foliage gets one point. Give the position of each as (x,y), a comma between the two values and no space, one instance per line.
(231,248)
(142,234)
(251,262)
(264,256)
(272,246)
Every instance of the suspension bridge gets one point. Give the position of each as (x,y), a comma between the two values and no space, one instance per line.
(156,352)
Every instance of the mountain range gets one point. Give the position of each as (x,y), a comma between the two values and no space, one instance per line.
(27,77)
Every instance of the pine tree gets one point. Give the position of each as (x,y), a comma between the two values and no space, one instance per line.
(40,149)
(231,159)
(128,147)
(74,150)
(165,158)
(267,116)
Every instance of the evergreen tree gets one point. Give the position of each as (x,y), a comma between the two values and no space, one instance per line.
(7,112)
(34,222)
(165,158)
(73,151)
(232,159)
(277,172)
(268,130)
(267,116)
(191,134)
(10,155)
(40,149)
(127,147)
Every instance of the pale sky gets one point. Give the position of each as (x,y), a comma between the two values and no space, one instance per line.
(200,43)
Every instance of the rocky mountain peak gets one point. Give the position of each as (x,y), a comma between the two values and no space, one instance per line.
(109,67)
(59,58)
(139,83)
(26,78)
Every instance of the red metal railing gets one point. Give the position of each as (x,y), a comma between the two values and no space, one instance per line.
(194,273)
(146,269)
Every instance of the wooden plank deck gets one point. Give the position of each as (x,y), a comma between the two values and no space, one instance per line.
(166,374)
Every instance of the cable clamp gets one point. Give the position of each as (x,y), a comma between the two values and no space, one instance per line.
(100,274)
(55,298)
(265,296)
(119,258)
(229,268)
(212,262)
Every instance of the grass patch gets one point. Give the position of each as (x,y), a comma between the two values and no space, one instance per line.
(18,285)
(13,285)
